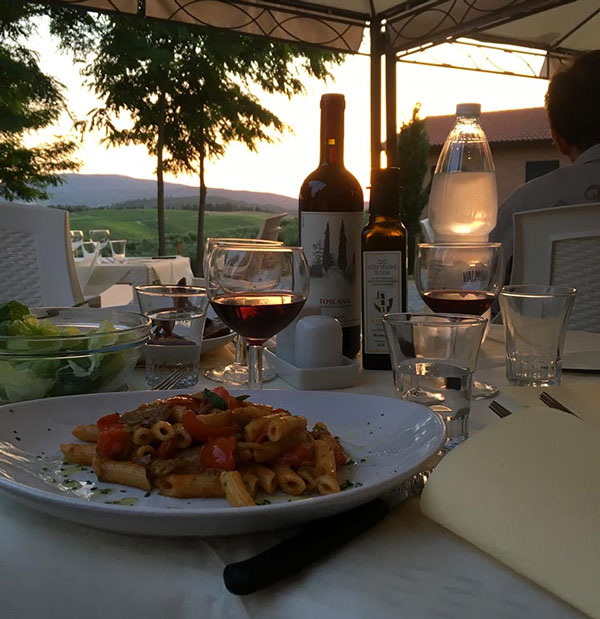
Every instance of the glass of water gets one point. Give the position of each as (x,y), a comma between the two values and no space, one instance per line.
(178,315)
(117,248)
(535,324)
(433,360)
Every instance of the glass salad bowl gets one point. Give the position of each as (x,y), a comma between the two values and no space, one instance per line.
(63,351)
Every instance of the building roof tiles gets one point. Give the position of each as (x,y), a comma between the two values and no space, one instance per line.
(530,124)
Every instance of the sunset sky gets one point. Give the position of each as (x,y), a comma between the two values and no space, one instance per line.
(281,167)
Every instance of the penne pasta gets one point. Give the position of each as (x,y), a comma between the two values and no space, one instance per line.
(282,425)
(191,448)
(189,486)
(235,490)
(87,432)
(288,480)
(121,472)
(327,484)
(264,475)
(309,476)
(324,458)
(220,418)
(250,480)
(79,454)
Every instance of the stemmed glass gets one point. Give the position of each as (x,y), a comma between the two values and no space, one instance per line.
(76,240)
(461,278)
(235,373)
(257,291)
(100,239)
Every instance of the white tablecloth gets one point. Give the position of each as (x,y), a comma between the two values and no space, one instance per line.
(406,566)
(137,272)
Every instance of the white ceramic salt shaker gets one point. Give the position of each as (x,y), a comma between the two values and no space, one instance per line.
(318,342)
(286,339)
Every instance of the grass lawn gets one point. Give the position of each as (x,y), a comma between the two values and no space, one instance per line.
(141,223)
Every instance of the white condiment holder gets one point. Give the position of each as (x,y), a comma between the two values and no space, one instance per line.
(336,377)
(310,355)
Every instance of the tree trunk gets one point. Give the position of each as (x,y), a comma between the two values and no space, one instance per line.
(160,184)
(201,211)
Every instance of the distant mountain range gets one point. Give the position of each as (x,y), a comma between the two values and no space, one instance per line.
(95,190)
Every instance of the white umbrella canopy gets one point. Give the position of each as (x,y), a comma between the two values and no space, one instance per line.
(409,24)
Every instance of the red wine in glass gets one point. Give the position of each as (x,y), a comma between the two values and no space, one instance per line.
(257,316)
(475,302)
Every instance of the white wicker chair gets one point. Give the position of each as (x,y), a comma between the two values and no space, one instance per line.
(36,262)
(560,246)
(270,227)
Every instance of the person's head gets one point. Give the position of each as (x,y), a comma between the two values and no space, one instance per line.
(573,105)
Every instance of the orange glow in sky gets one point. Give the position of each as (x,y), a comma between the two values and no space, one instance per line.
(280,167)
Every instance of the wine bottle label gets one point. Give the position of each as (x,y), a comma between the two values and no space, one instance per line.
(382,294)
(331,244)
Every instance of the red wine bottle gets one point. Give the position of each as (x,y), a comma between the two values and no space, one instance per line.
(331,221)
(384,255)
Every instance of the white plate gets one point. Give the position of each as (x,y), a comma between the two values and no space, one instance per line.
(388,439)
(212,343)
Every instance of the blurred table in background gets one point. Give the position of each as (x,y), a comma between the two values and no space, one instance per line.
(137,272)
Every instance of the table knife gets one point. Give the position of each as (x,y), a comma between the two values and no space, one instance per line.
(313,541)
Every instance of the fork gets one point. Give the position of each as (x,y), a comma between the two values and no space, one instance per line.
(499,409)
(552,402)
(170,381)
(166,383)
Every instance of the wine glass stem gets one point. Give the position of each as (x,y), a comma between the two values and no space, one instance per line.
(240,351)
(254,366)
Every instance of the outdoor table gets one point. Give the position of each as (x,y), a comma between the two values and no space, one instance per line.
(137,272)
(406,566)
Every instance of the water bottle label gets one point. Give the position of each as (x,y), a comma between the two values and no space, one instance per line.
(331,244)
(382,294)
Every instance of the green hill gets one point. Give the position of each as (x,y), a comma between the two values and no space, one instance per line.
(139,227)
(141,223)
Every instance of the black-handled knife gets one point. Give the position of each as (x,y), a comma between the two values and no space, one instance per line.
(315,540)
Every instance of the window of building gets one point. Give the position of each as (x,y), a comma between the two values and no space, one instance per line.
(533,169)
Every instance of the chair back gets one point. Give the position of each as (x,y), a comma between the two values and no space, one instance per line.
(270,227)
(36,261)
(560,246)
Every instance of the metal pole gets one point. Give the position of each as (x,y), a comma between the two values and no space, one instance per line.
(391,130)
(376,52)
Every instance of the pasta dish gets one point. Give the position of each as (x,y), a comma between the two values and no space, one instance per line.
(210,444)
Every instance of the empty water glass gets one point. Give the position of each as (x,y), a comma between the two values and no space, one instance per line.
(535,324)
(117,248)
(433,360)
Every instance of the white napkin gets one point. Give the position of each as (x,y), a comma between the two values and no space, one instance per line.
(525,490)
(581,397)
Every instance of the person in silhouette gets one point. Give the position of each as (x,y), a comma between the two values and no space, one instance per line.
(572,104)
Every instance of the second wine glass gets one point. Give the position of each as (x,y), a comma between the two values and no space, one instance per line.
(257,291)
(460,278)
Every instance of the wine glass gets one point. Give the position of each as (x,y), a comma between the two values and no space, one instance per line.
(461,278)
(100,239)
(257,291)
(76,241)
(235,373)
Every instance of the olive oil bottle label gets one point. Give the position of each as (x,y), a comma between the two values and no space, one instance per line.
(382,294)
(331,243)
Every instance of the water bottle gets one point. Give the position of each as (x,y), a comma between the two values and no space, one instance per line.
(463,203)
